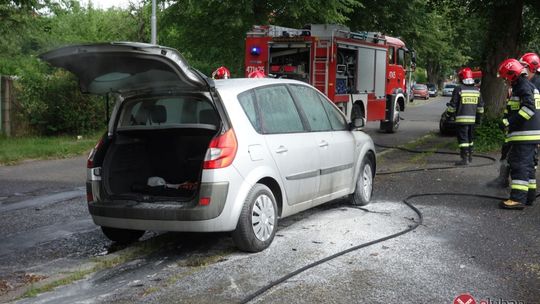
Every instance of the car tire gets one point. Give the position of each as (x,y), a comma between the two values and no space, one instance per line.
(257,224)
(364,182)
(123,236)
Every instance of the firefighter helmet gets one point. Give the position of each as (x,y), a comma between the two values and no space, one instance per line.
(221,73)
(256,74)
(510,69)
(530,61)
(466,76)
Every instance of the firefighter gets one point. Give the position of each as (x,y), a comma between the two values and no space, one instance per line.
(467,106)
(221,73)
(523,132)
(256,74)
(531,62)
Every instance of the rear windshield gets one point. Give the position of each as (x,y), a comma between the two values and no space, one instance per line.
(167,111)
(420,87)
(449,86)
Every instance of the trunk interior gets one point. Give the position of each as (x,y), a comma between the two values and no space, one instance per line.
(171,156)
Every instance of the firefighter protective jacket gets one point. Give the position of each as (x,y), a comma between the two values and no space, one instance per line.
(536,81)
(467,104)
(523,117)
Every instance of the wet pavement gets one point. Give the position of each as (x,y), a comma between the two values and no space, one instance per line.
(464,245)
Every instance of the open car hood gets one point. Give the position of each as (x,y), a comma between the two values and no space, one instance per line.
(126,66)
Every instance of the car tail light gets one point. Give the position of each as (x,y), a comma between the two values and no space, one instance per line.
(204,201)
(90,160)
(221,151)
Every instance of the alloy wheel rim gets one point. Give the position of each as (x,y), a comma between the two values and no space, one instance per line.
(263,217)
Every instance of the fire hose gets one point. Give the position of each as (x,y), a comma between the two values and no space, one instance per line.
(406,201)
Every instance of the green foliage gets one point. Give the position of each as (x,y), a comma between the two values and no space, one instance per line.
(488,136)
(420,75)
(49,99)
(15,149)
(53,104)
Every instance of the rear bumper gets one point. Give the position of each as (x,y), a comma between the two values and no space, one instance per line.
(130,214)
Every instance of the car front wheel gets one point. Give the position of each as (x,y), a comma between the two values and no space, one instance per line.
(257,224)
(364,182)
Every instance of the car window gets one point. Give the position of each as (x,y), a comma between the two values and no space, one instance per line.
(337,120)
(278,111)
(311,105)
(247,101)
(419,87)
(450,86)
(167,111)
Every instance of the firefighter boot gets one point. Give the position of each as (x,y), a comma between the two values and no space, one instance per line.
(502,180)
(511,205)
(531,197)
(470,153)
(464,158)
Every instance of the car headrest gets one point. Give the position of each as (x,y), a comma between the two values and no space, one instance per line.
(159,114)
(208,116)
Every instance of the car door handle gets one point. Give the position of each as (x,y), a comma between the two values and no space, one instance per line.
(323,144)
(281,149)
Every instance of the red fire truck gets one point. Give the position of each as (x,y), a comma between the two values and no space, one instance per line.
(364,73)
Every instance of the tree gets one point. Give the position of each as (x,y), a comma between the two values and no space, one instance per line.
(499,32)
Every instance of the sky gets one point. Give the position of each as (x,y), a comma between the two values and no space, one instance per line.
(105,4)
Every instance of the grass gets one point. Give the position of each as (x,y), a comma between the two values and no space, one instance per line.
(16,149)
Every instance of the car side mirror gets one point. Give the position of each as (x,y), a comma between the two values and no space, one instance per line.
(357,123)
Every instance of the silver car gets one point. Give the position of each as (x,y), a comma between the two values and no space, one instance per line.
(186,153)
(448,89)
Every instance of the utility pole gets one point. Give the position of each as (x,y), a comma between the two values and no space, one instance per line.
(153,23)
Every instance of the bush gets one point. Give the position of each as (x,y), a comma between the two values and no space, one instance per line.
(52,104)
(489,137)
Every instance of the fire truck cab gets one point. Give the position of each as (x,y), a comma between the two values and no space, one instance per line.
(364,73)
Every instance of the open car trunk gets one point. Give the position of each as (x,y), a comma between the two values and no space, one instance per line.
(138,162)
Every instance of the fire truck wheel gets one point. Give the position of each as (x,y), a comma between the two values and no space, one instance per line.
(357,112)
(391,126)
(364,183)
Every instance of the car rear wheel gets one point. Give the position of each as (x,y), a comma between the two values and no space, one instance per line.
(257,224)
(364,182)
(122,235)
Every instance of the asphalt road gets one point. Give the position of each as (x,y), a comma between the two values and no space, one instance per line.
(464,245)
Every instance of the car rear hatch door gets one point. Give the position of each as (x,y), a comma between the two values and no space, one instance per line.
(124,67)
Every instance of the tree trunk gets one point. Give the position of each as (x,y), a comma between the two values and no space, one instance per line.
(502,43)
(433,72)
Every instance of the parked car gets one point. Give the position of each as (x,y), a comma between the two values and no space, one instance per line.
(432,90)
(447,124)
(186,153)
(420,91)
(448,89)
